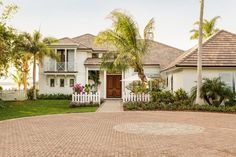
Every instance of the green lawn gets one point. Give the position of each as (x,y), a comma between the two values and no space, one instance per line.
(9,110)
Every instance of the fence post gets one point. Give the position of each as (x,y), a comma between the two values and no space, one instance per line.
(99,100)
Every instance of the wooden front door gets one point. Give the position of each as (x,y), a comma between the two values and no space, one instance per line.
(113,86)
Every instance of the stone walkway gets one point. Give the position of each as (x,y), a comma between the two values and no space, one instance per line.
(112,105)
(99,135)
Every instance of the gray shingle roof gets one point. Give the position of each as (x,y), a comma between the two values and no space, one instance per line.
(158,54)
(218,51)
(161,54)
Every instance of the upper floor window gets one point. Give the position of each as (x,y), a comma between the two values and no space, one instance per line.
(61,55)
(95,55)
(62,82)
(52,82)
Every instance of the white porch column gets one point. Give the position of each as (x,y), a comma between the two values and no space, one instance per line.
(86,75)
(122,84)
(55,68)
(65,60)
(75,63)
(105,84)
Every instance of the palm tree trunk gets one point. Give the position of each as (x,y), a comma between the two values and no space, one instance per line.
(199,62)
(25,74)
(24,82)
(34,78)
(142,77)
(19,86)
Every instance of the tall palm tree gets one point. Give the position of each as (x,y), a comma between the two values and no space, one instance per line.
(209,28)
(129,47)
(22,64)
(18,78)
(199,61)
(38,47)
(26,57)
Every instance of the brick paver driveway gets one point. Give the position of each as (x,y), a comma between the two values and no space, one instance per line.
(93,134)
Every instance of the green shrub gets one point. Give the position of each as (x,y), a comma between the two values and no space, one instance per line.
(1,88)
(213,91)
(137,87)
(76,104)
(181,97)
(55,96)
(30,93)
(139,106)
(230,102)
(165,97)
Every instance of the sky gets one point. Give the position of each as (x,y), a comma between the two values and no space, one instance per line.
(69,18)
(174,18)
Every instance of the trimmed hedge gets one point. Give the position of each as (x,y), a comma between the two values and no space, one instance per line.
(142,106)
(77,104)
(54,96)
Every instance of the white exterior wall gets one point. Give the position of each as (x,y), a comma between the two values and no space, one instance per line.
(80,76)
(186,78)
(44,85)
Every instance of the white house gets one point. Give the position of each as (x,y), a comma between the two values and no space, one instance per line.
(218,60)
(79,57)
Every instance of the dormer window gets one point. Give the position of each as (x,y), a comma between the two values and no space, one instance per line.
(95,55)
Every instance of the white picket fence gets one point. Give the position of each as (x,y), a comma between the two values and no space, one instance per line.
(86,98)
(131,97)
(13,95)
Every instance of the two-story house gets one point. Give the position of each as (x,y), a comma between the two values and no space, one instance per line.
(79,56)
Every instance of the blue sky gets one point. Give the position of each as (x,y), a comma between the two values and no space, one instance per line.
(174,18)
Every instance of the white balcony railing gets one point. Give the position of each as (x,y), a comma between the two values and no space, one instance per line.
(60,66)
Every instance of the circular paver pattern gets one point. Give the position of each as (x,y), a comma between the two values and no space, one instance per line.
(95,135)
(158,128)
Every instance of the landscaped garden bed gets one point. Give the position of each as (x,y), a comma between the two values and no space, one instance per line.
(147,106)
(9,110)
(218,97)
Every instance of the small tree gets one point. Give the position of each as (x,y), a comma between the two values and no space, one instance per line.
(18,78)
(7,35)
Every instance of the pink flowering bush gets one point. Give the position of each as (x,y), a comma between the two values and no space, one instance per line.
(79,88)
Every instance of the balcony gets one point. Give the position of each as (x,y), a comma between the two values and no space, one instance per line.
(60,67)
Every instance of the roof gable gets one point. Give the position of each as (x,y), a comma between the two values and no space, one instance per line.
(88,40)
(218,51)
(66,41)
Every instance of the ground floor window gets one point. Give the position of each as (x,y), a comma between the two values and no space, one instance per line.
(62,82)
(72,82)
(228,79)
(52,82)
(172,83)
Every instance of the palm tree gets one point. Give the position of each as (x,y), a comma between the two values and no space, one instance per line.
(209,28)
(21,62)
(129,47)
(18,78)
(213,91)
(199,61)
(26,57)
(38,48)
